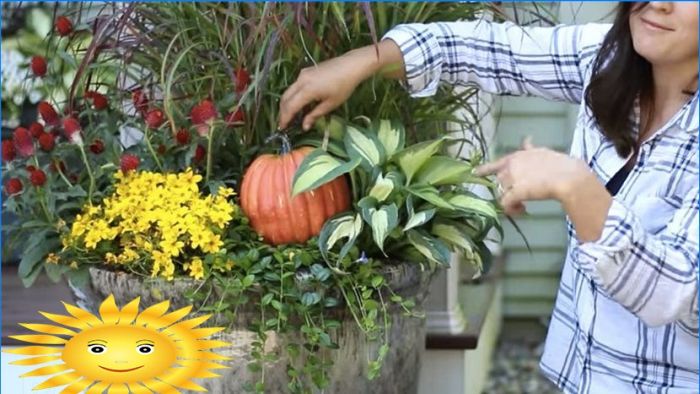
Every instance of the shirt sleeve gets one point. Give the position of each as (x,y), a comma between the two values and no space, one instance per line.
(654,276)
(500,58)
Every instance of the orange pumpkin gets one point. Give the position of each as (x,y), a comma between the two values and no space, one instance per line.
(266,199)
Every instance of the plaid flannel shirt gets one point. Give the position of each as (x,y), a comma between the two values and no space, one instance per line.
(626,314)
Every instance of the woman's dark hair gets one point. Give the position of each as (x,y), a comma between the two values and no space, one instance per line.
(620,76)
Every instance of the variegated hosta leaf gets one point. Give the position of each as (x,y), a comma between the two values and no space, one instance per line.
(319,168)
(346,225)
(430,247)
(392,135)
(454,233)
(444,170)
(334,125)
(419,218)
(382,188)
(365,146)
(412,158)
(429,194)
(383,221)
(477,205)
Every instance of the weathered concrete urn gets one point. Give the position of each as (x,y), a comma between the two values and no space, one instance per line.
(400,369)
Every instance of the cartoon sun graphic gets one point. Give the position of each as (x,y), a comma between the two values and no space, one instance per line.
(122,351)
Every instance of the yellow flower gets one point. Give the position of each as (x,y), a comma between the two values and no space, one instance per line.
(110,258)
(196,268)
(52,259)
(74,264)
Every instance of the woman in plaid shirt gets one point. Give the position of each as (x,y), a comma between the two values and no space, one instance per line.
(626,315)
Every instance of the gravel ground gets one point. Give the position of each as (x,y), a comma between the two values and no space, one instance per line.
(515,370)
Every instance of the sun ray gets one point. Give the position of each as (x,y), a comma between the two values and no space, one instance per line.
(47,370)
(211,356)
(109,311)
(118,389)
(58,380)
(48,329)
(40,339)
(137,388)
(36,360)
(172,317)
(211,344)
(82,315)
(201,333)
(34,350)
(152,313)
(191,323)
(129,312)
(77,387)
(97,388)
(180,378)
(160,387)
(66,320)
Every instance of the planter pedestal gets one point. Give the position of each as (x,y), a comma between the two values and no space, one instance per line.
(400,371)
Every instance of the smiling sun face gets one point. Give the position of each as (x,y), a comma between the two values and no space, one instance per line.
(122,351)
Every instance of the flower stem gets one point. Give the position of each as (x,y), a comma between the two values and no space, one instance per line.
(91,188)
(153,152)
(210,144)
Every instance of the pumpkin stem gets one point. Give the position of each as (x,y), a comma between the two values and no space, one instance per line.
(284,140)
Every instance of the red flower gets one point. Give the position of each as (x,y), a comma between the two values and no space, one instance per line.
(236,118)
(31,168)
(129,162)
(203,112)
(162,149)
(56,165)
(154,118)
(13,186)
(48,113)
(71,128)
(199,154)
(97,146)
(23,142)
(242,80)
(140,100)
(38,65)
(182,137)
(63,26)
(36,129)
(37,177)
(99,101)
(47,142)
(8,151)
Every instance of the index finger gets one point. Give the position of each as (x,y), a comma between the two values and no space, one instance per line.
(491,167)
(289,106)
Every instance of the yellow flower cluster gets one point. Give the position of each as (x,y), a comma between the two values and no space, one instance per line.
(159,219)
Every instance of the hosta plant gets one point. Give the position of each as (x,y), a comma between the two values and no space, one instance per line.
(411,202)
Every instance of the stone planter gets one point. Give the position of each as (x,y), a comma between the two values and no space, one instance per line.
(400,370)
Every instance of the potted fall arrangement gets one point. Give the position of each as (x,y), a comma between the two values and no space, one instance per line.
(162,176)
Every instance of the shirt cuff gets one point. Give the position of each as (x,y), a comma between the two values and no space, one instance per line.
(603,258)
(422,57)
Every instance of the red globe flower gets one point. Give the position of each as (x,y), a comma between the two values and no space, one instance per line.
(182,137)
(24,144)
(236,118)
(63,26)
(97,146)
(129,162)
(199,154)
(36,129)
(242,80)
(203,112)
(154,118)
(99,101)
(140,100)
(13,186)
(47,142)
(8,151)
(48,113)
(71,129)
(38,66)
(37,177)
